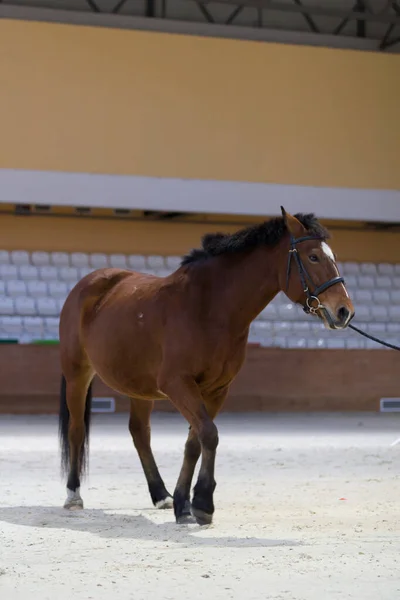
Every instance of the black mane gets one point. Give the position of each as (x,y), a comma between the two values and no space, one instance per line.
(268,233)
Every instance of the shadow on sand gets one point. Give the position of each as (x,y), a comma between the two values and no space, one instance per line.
(116,524)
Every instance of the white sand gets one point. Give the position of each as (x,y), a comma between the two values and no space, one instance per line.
(281,530)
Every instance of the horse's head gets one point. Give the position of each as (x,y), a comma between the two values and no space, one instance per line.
(310,276)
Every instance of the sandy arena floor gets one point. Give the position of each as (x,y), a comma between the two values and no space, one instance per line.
(307,508)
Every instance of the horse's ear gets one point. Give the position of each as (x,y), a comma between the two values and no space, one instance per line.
(294,226)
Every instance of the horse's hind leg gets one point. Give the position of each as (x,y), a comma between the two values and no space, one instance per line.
(139,427)
(74,421)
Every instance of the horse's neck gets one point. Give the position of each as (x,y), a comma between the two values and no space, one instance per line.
(247,284)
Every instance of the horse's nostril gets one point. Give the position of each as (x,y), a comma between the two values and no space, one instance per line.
(343,314)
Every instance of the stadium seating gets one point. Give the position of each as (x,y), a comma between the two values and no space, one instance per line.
(33,288)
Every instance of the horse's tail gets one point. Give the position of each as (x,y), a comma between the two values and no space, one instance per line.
(63,427)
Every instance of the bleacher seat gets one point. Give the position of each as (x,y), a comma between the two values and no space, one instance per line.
(173,262)
(6,305)
(368,269)
(8,272)
(69,274)
(15,288)
(155,262)
(59,259)
(34,287)
(19,257)
(40,259)
(47,307)
(136,262)
(48,273)
(58,289)
(79,259)
(37,289)
(24,306)
(118,261)
(11,326)
(4,257)
(28,272)
(98,261)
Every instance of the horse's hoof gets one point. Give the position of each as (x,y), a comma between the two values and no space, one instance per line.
(74,500)
(202,518)
(185,519)
(165,503)
(76,504)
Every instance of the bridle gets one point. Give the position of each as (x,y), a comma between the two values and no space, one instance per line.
(312,297)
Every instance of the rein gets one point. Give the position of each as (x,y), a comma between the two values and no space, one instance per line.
(313,297)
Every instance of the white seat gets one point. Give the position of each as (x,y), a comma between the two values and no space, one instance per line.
(98,261)
(396,269)
(37,289)
(287,311)
(85,271)
(371,345)
(48,273)
(15,288)
(301,327)
(59,259)
(260,333)
(6,305)
(19,257)
(173,262)
(33,326)
(383,282)
(11,326)
(24,306)
(379,313)
(351,268)
(155,262)
(376,329)
(136,262)
(8,272)
(279,341)
(269,313)
(366,282)
(393,328)
(2,288)
(394,313)
(368,269)
(395,296)
(28,272)
(294,342)
(354,344)
(335,343)
(362,313)
(47,306)
(118,261)
(381,296)
(363,296)
(163,272)
(281,328)
(351,282)
(60,303)
(4,257)
(69,274)
(51,325)
(58,289)
(396,282)
(40,259)
(79,259)
(385,269)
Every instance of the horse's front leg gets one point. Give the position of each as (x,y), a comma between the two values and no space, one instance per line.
(203,438)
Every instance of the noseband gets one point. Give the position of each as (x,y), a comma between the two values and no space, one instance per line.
(312,297)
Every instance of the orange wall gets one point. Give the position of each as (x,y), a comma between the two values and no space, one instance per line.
(113,235)
(88,99)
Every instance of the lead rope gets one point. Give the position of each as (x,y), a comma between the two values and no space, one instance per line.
(374,339)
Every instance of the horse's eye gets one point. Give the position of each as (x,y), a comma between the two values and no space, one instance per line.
(313,258)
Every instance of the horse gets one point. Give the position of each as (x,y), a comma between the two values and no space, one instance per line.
(183,337)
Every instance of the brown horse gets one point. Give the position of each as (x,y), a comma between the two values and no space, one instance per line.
(183,337)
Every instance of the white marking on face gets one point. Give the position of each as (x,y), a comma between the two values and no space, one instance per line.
(328,251)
